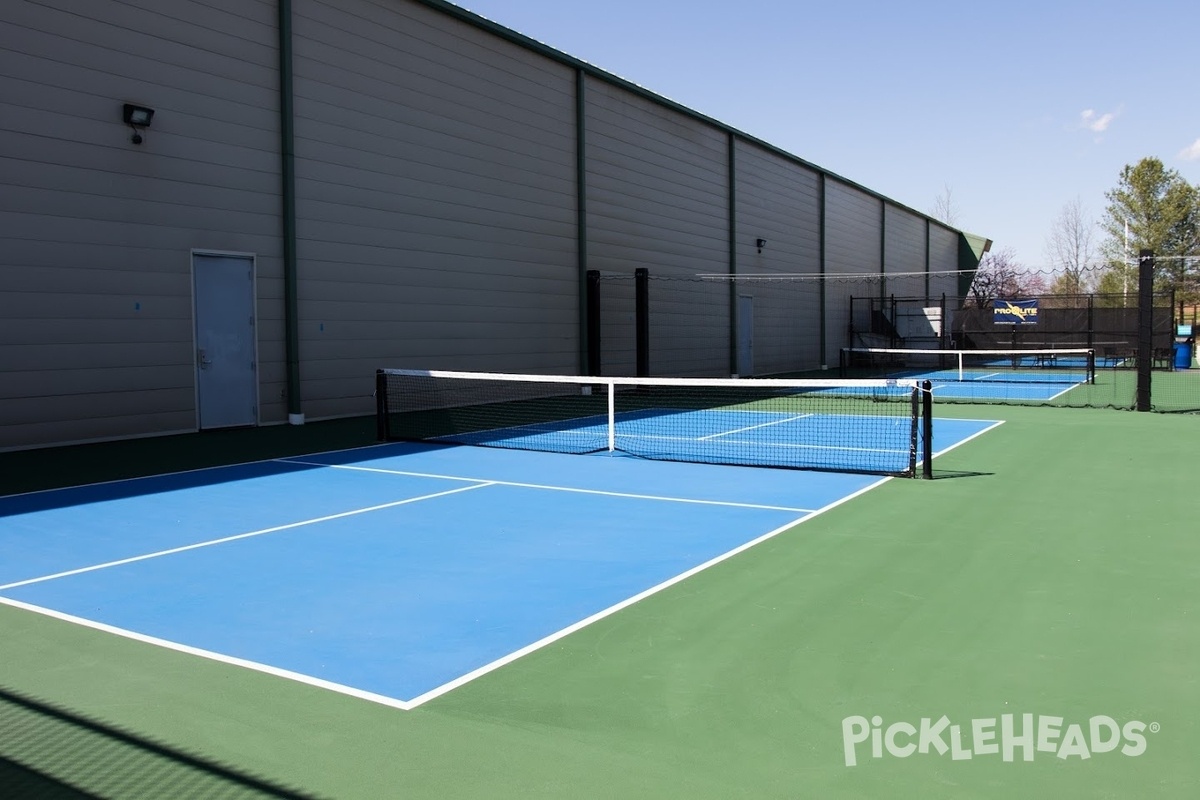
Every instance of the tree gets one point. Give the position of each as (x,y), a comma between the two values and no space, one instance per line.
(1001,276)
(1117,284)
(1162,212)
(1070,250)
(944,209)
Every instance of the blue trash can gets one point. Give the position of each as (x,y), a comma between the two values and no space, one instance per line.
(1183,355)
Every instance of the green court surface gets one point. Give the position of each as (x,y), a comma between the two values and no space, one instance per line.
(1172,391)
(1050,569)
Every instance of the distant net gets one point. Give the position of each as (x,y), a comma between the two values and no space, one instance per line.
(1020,376)
(1064,365)
(871,426)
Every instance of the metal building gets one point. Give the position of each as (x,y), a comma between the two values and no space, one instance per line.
(220,213)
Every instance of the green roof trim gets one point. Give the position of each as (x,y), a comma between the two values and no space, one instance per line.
(971,250)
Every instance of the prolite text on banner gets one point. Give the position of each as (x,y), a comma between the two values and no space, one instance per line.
(1015,312)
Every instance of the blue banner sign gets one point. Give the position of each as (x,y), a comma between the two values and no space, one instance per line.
(1015,312)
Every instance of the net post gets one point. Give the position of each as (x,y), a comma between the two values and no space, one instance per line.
(1091,366)
(927,428)
(612,416)
(381,432)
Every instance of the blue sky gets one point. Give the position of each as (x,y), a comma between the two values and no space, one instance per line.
(1018,109)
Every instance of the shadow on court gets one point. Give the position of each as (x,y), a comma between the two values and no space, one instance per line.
(50,752)
(941,474)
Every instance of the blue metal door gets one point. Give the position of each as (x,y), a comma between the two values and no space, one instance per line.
(226,368)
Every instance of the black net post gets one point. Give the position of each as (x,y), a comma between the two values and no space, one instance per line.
(1145,327)
(593,323)
(641,306)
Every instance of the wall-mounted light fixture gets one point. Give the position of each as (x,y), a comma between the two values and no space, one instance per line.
(760,244)
(137,117)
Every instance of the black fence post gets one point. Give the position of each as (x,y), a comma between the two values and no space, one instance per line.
(381,418)
(593,322)
(927,419)
(1145,327)
(853,329)
(1091,321)
(641,306)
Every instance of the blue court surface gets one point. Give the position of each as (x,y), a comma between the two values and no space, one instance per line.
(396,572)
(983,386)
(1029,379)
(801,440)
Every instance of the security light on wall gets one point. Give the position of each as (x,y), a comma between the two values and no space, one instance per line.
(760,244)
(137,117)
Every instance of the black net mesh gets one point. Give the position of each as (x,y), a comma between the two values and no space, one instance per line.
(860,426)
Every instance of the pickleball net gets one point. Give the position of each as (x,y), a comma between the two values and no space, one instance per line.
(870,426)
(1062,365)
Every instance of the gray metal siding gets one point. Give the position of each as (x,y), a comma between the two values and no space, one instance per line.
(435,200)
(943,266)
(943,260)
(95,232)
(436,211)
(779,201)
(910,306)
(853,240)
(657,188)
(904,252)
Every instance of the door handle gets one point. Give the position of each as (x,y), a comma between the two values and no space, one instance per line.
(202,358)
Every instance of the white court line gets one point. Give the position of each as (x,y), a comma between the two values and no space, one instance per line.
(995,424)
(583,623)
(1064,391)
(236,537)
(591,429)
(407,705)
(934,389)
(752,427)
(552,426)
(158,475)
(554,637)
(209,654)
(518,484)
(756,444)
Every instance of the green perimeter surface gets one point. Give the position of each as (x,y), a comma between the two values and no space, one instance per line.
(1050,569)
